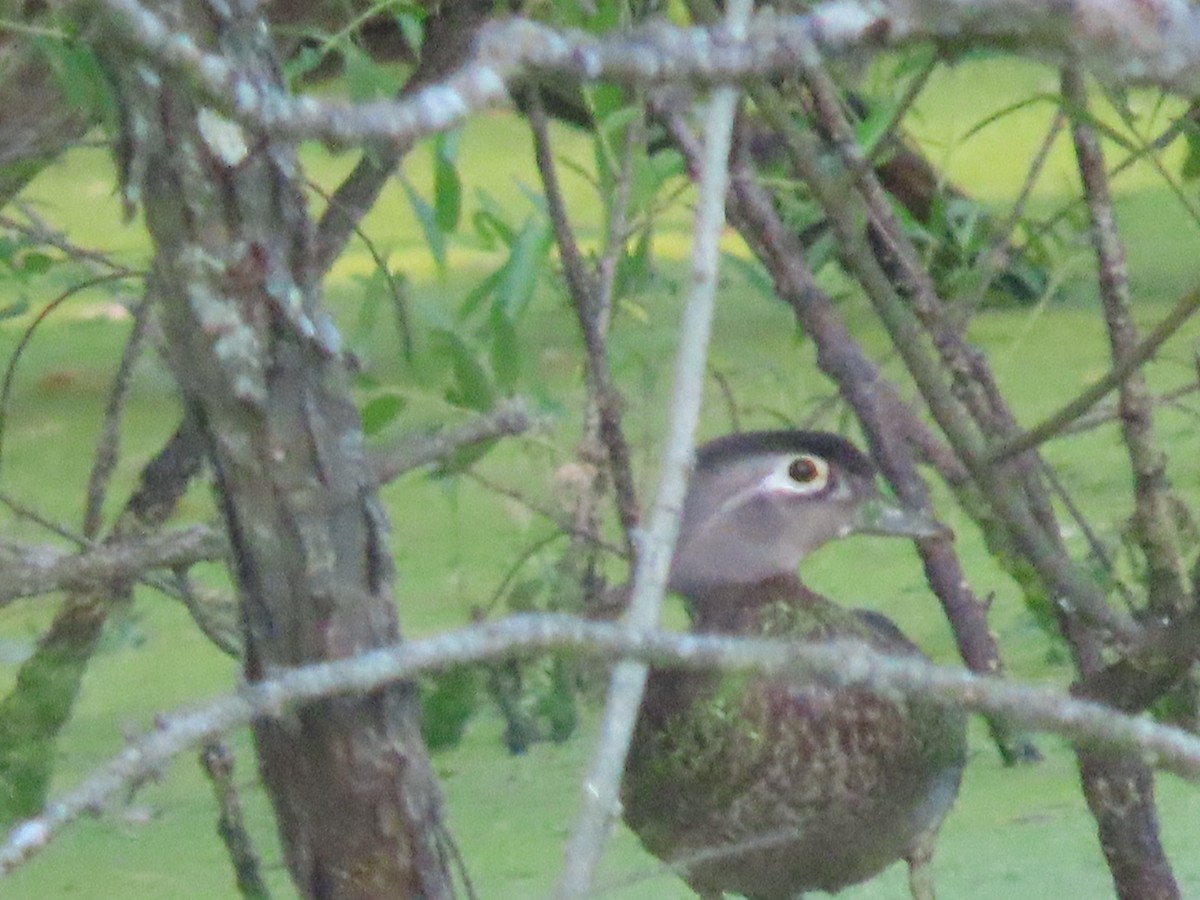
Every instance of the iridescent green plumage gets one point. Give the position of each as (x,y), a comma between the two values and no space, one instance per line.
(770,787)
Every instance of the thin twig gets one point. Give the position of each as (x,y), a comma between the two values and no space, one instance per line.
(394,288)
(957,384)
(14,360)
(510,417)
(602,782)
(217,762)
(1182,195)
(1166,580)
(1100,417)
(727,394)
(1062,420)
(593,443)
(215,613)
(41,232)
(563,524)
(22,511)
(110,433)
(1169,134)
(586,297)
(999,252)
(1095,545)
(901,109)
(514,569)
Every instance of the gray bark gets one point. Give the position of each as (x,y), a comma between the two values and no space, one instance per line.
(357,805)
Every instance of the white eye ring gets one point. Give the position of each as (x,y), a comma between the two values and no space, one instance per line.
(801,475)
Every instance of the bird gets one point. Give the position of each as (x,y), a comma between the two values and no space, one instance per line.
(770,787)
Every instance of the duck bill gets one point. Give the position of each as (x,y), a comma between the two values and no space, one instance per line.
(880,516)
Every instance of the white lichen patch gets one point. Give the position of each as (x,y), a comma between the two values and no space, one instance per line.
(328,337)
(235,345)
(224,138)
(489,81)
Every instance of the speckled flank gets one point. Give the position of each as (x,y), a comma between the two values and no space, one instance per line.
(776,787)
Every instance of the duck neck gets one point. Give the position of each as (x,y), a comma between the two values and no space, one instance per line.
(735,608)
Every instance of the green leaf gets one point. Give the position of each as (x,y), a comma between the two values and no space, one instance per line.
(381,412)
(605,99)
(17,308)
(489,229)
(303,62)
(435,239)
(913,61)
(34,263)
(463,458)
(489,223)
(523,595)
(1191,161)
(374,288)
(505,350)
(1025,103)
(411,22)
(602,15)
(79,75)
(448,706)
(649,176)
(874,127)
(524,266)
(366,381)
(559,706)
(364,78)
(581,171)
(754,274)
(447,189)
(479,293)
(635,267)
(472,386)
(613,125)
(667,163)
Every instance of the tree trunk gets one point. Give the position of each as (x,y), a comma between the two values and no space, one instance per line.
(1120,793)
(357,804)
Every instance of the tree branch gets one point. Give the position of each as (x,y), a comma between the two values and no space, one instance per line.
(509,418)
(1124,41)
(846,664)
(32,570)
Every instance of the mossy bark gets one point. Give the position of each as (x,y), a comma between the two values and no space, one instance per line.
(258,363)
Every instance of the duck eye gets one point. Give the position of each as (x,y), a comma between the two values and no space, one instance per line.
(806,470)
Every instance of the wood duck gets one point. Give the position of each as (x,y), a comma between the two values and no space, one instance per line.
(770,787)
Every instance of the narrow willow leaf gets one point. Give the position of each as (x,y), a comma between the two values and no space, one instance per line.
(524,265)
(472,386)
(505,350)
(435,239)
(381,411)
(447,187)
